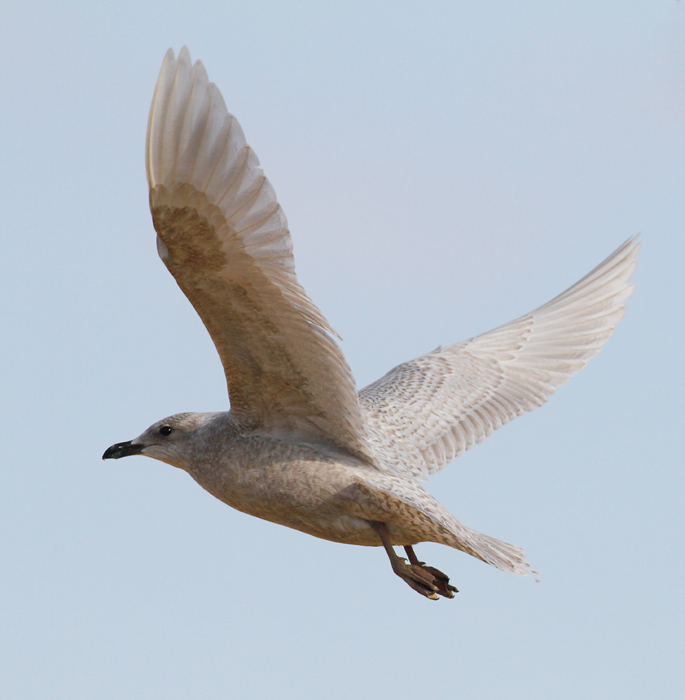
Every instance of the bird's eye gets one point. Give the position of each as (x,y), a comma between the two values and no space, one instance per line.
(165,430)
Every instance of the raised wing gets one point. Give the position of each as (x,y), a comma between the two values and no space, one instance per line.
(424,413)
(224,238)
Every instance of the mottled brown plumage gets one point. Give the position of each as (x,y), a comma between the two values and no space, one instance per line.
(299,446)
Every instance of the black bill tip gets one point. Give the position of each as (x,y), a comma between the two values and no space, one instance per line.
(122,449)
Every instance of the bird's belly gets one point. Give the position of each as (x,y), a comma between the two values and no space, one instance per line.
(293,486)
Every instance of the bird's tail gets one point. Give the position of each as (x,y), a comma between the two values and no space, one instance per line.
(504,556)
(411,507)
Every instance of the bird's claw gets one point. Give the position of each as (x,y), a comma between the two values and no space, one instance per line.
(426,580)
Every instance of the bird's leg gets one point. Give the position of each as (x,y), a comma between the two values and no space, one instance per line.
(425,580)
(441,581)
(414,576)
(413,559)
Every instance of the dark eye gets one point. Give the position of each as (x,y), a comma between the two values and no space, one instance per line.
(165,430)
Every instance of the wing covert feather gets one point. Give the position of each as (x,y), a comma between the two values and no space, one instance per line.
(225,239)
(424,413)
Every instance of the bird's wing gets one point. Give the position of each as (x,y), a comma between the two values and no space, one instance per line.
(424,413)
(224,238)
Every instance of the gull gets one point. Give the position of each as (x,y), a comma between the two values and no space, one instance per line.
(299,445)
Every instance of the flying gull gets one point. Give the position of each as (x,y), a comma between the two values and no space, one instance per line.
(300,446)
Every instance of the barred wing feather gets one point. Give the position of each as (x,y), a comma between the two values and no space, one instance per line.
(224,238)
(424,413)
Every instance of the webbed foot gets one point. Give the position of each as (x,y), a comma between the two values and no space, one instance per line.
(441,581)
(426,580)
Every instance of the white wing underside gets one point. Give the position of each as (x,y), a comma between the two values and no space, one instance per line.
(225,239)
(424,413)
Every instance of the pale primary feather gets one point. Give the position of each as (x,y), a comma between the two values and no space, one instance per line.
(225,239)
(424,413)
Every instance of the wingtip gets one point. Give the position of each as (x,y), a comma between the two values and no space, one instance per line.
(632,248)
(632,244)
(199,72)
(637,243)
(184,55)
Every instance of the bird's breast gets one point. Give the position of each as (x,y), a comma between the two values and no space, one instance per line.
(289,484)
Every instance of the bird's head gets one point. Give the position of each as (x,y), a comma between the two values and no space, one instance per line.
(171,440)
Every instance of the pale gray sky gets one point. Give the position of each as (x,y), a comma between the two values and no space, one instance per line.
(488,154)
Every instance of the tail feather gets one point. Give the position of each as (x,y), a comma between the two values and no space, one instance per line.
(504,556)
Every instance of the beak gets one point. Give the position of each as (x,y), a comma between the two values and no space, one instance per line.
(122,449)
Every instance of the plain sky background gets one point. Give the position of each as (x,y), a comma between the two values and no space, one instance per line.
(445,167)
